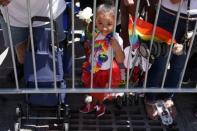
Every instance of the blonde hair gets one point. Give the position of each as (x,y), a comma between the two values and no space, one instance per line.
(106,8)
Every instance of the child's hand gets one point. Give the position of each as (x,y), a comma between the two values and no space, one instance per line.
(177,49)
(119,54)
(113,42)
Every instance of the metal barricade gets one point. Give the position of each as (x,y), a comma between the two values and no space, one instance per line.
(74,88)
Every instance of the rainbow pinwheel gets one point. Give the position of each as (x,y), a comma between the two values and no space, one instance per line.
(144,30)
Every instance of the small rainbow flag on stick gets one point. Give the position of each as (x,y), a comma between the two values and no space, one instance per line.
(144,30)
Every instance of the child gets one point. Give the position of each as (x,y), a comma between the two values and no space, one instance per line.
(104,43)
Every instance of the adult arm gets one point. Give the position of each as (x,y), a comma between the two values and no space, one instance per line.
(125,10)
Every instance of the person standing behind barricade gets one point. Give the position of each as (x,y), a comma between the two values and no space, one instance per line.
(127,11)
(18,16)
(166,20)
(128,7)
(105,42)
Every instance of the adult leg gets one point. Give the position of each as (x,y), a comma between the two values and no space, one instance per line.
(177,62)
(130,10)
(155,74)
(20,52)
(19,36)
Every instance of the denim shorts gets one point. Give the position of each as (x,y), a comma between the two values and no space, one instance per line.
(21,34)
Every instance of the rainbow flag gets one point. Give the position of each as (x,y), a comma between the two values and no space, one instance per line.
(144,30)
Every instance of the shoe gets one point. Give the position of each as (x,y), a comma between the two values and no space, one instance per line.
(151,110)
(87,108)
(100,110)
(171,107)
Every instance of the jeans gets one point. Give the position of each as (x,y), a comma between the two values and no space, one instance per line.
(156,72)
(21,34)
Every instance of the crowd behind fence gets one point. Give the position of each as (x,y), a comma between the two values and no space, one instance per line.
(128,87)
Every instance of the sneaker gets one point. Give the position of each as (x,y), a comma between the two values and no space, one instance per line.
(171,107)
(100,110)
(89,107)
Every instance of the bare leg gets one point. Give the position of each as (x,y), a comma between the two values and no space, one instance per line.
(20,52)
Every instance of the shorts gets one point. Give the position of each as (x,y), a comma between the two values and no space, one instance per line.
(101,80)
(21,34)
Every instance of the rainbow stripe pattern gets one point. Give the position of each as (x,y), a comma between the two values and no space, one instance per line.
(144,32)
(102,47)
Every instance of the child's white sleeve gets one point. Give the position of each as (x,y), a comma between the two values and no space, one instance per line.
(119,39)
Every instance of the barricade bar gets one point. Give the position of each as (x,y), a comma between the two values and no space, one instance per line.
(32,43)
(73,43)
(95,90)
(93,39)
(72,88)
(12,48)
(133,33)
(171,46)
(188,55)
(53,42)
(151,42)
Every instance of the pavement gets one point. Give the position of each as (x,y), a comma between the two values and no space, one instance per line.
(131,117)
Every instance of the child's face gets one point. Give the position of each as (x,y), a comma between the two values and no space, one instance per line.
(104,22)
